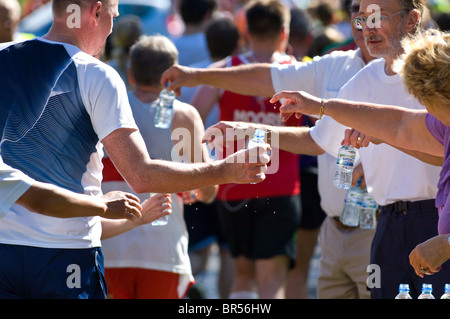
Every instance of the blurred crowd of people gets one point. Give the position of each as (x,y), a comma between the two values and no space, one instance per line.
(267,256)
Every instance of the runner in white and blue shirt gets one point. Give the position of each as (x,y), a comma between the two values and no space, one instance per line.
(56,104)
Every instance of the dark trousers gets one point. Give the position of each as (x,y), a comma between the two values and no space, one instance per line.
(401,227)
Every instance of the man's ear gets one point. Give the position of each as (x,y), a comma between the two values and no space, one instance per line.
(413,20)
(130,77)
(95,9)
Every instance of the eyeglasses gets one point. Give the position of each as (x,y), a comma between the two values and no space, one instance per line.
(360,22)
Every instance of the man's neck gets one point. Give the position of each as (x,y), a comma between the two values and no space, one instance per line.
(146,94)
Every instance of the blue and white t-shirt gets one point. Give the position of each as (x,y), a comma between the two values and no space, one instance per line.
(56,104)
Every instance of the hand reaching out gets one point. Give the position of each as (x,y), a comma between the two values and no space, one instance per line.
(358,139)
(156,206)
(121,205)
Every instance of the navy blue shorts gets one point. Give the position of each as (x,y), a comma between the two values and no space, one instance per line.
(398,232)
(44,273)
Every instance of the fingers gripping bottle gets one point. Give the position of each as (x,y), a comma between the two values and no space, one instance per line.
(258,138)
(162,221)
(344,167)
(164,112)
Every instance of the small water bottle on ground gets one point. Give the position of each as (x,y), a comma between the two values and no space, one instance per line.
(164,111)
(446,294)
(162,221)
(344,167)
(403,292)
(352,206)
(368,217)
(427,291)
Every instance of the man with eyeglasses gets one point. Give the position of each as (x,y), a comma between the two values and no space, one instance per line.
(323,76)
(403,182)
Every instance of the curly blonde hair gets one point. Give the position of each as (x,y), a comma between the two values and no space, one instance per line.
(425,67)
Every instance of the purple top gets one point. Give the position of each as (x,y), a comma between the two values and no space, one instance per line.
(441,133)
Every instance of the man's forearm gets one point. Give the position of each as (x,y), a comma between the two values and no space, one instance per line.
(53,201)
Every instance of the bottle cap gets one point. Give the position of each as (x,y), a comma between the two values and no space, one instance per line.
(403,287)
(427,287)
(259,133)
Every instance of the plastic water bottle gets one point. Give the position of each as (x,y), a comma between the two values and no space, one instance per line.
(403,292)
(368,216)
(164,112)
(446,294)
(258,138)
(426,292)
(352,206)
(162,221)
(344,167)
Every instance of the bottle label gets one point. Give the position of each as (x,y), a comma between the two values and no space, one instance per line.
(345,160)
(354,197)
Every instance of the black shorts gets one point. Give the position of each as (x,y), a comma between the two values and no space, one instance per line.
(312,213)
(261,228)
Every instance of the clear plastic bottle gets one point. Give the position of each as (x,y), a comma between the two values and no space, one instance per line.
(258,138)
(344,167)
(446,294)
(403,292)
(162,221)
(427,292)
(352,206)
(164,112)
(368,216)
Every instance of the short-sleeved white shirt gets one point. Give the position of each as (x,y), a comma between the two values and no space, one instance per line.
(61,103)
(323,77)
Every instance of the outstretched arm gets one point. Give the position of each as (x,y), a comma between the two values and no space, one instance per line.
(292,139)
(395,125)
(153,208)
(358,139)
(50,200)
(128,152)
(251,79)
